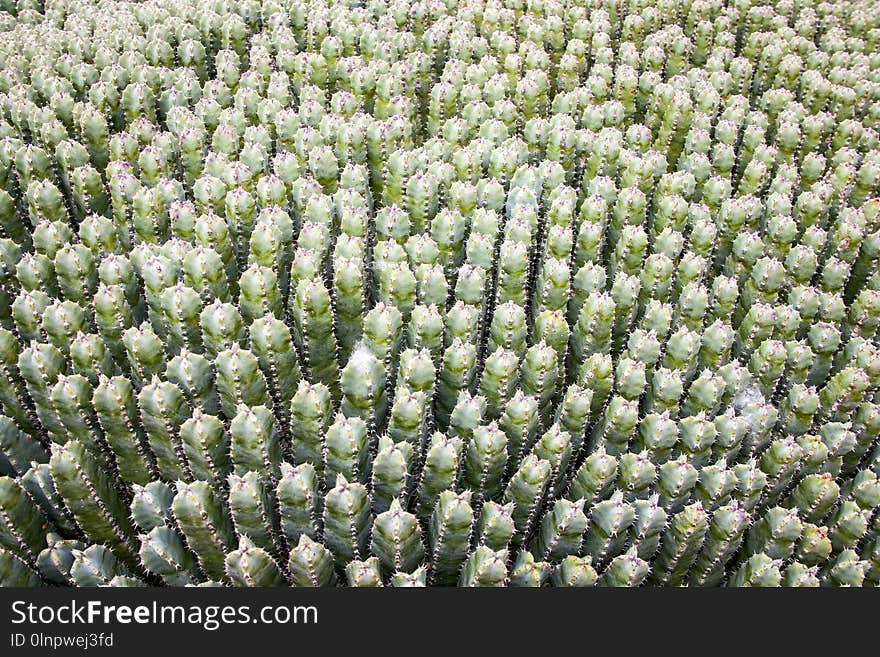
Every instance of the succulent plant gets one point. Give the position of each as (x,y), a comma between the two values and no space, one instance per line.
(518,294)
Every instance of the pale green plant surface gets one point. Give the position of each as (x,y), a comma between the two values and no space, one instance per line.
(437,293)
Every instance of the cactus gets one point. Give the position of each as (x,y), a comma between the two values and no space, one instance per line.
(250,565)
(680,544)
(21,522)
(14,571)
(311,564)
(418,578)
(484,567)
(96,566)
(163,410)
(90,496)
(440,471)
(528,572)
(758,570)
(163,553)
(254,442)
(56,560)
(206,446)
(310,416)
(534,295)
(724,536)
(252,510)
(364,573)
(574,571)
(561,530)
(18,449)
(397,539)
(347,520)
(204,525)
(625,570)
(449,535)
(298,502)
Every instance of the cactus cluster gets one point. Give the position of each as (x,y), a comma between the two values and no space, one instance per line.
(439,292)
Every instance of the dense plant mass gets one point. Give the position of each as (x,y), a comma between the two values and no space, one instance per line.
(444,292)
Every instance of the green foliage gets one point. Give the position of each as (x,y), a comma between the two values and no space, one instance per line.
(515,294)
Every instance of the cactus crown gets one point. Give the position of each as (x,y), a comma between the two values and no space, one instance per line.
(482,294)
